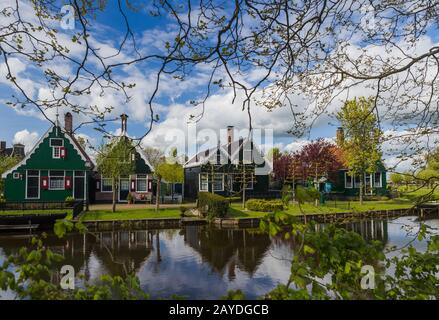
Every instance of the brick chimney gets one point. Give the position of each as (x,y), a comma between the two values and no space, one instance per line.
(68,122)
(2,146)
(124,119)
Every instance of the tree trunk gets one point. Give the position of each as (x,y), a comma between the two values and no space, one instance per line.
(157,197)
(113,208)
(361,189)
(244,185)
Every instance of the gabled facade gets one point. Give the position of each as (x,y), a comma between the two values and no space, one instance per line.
(57,167)
(225,170)
(139,184)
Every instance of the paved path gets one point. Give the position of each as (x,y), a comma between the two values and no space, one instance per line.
(124,206)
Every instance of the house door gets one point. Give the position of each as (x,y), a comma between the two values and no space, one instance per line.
(79,185)
(124,189)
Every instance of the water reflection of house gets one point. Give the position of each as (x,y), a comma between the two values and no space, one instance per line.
(370,229)
(225,250)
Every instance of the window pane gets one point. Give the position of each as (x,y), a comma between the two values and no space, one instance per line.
(218,182)
(32,187)
(378,179)
(141,185)
(56,152)
(79,173)
(56,182)
(204,182)
(107,185)
(56,142)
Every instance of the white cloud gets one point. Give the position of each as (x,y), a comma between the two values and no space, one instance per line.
(27,138)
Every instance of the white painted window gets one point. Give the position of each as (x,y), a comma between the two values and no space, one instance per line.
(204,181)
(107,185)
(141,183)
(347,180)
(378,182)
(56,152)
(56,180)
(16,175)
(218,182)
(56,145)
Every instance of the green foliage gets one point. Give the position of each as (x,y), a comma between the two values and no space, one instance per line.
(264,205)
(309,194)
(6,163)
(214,205)
(69,200)
(234,295)
(361,145)
(170,172)
(182,209)
(327,264)
(286,194)
(397,178)
(115,158)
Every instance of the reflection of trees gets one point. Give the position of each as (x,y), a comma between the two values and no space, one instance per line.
(228,249)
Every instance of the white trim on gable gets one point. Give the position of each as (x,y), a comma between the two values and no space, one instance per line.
(27,156)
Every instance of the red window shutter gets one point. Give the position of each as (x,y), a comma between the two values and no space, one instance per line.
(44,183)
(98,185)
(63,152)
(133,185)
(68,183)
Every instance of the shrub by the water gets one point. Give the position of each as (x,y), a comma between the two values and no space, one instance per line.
(213,205)
(264,205)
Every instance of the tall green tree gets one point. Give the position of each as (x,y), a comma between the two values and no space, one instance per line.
(115,160)
(361,143)
(6,163)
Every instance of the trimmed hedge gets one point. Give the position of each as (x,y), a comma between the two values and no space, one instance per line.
(264,205)
(214,205)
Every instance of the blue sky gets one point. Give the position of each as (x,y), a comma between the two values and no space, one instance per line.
(172,103)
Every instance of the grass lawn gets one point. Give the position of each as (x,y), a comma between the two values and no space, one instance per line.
(236,210)
(24,212)
(413,192)
(130,214)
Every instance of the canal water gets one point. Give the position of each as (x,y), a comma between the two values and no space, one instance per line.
(197,262)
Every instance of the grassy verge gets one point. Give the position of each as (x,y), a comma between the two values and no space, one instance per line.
(24,212)
(130,214)
(236,210)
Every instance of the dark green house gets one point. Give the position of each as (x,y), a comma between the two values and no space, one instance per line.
(139,184)
(375,184)
(228,170)
(57,167)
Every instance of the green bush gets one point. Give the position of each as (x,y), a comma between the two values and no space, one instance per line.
(309,194)
(213,205)
(264,205)
(182,210)
(69,200)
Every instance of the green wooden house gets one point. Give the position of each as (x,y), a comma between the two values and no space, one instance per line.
(56,167)
(139,184)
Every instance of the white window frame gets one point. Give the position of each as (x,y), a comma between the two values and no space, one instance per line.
(222,182)
(54,156)
(199,182)
(252,184)
(346,174)
(380,185)
(63,180)
(102,184)
(39,186)
(16,175)
(146,184)
(62,140)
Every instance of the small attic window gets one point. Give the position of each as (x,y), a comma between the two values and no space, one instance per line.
(56,142)
(16,175)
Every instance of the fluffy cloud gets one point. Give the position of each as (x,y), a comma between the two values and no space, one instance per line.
(27,138)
